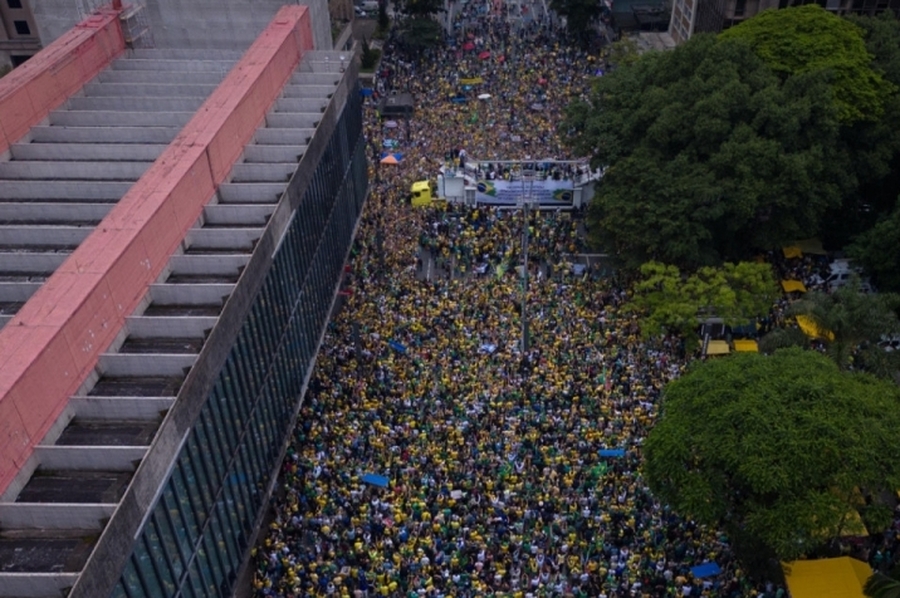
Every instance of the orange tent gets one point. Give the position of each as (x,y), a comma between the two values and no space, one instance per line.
(390,159)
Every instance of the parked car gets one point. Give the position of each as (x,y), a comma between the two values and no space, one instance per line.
(841,273)
(890,343)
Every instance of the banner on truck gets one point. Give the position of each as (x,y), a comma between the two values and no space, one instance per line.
(508,193)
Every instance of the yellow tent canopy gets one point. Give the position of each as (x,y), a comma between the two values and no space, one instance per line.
(718,348)
(807,246)
(793,286)
(841,577)
(810,246)
(792,251)
(854,526)
(746,346)
(812,330)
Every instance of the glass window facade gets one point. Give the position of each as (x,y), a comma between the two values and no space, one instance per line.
(194,540)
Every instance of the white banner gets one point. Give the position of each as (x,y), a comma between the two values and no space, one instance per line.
(506,193)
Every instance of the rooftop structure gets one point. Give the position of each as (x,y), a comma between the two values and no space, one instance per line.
(28,25)
(711,16)
(173,228)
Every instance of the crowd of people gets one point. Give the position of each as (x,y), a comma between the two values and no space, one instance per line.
(438,452)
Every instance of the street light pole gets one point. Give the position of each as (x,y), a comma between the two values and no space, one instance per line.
(527,175)
(525,277)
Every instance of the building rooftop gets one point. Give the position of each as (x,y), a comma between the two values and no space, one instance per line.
(62,184)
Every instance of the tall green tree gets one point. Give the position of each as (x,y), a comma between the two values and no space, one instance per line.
(873,146)
(421,8)
(810,39)
(776,449)
(880,585)
(882,38)
(421,33)
(710,154)
(878,251)
(581,16)
(622,52)
(670,301)
(855,319)
(384,21)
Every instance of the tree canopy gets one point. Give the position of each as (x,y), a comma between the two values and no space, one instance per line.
(710,154)
(778,449)
(880,585)
(580,15)
(870,217)
(670,301)
(786,126)
(421,8)
(421,33)
(809,39)
(855,321)
(878,251)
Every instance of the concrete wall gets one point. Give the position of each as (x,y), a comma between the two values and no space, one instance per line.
(30,92)
(105,565)
(213,24)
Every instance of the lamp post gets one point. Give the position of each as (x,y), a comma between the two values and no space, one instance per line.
(527,177)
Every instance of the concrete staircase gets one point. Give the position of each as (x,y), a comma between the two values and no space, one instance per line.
(64,178)
(84,466)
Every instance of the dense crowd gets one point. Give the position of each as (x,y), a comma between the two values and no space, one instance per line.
(497,471)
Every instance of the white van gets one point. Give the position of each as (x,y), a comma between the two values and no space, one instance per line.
(842,271)
(890,343)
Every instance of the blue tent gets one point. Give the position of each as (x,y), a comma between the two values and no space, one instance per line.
(612,452)
(366,92)
(398,347)
(747,329)
(375,479)
(705,570)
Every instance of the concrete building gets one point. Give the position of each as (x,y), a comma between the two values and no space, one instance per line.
(174,224)
(19,39)
(712,16)
(195,24)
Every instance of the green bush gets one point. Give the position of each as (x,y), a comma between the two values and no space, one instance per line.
(370,57)
(384,22)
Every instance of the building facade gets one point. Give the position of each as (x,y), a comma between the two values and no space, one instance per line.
(28,25)
(19,39)
(177,224)
(712,16)
(193,540)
